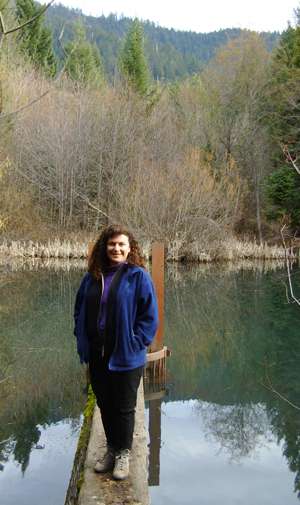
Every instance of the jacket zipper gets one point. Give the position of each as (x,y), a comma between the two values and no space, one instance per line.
(117,312)
(103,340)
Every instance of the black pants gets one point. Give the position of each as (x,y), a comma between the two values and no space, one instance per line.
(116,394)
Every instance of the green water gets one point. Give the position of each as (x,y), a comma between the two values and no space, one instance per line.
(40,418)
(222,437)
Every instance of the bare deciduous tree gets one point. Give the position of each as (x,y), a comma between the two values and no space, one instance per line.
(236,83)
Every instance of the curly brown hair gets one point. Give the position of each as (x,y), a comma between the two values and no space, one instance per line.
(99,261)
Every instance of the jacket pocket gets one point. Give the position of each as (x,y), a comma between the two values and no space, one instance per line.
(138,342)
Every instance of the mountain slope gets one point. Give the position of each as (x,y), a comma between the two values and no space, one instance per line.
(172,54)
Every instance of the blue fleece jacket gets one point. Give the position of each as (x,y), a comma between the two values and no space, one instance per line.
(136,319)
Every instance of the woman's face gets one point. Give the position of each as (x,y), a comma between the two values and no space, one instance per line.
(118,249)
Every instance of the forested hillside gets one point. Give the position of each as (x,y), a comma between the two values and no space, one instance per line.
(171,54)
(195,163)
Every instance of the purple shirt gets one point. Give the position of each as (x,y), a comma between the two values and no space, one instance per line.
(108,277)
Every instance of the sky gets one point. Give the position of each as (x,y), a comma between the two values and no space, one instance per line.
(201,16)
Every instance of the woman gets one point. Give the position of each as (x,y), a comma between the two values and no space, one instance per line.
(116,317)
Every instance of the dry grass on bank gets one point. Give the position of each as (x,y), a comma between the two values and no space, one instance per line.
(73,249)
(233,249)
(77,248)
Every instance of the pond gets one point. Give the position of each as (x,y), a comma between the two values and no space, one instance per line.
(41,417)
(217,435)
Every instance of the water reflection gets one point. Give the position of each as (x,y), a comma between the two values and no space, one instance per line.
(44,384)
(215,432)
(191,472)
(49,464)
(237,430)
(155,390)
(219,325)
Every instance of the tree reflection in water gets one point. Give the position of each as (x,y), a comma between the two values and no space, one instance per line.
(45,383)
(220,323)
(286,427)
(239,430)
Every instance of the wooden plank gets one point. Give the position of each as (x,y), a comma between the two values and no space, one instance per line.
(153,356)
(102,489)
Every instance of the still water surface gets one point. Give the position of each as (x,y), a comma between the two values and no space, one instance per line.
(220,437)
(217,435)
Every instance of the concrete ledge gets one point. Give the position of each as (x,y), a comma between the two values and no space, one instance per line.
(102,489)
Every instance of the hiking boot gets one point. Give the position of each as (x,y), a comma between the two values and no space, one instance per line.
(121,469)
(106,463)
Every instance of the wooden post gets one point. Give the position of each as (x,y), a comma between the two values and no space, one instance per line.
(158,273)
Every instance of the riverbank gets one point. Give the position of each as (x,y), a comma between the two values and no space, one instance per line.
(76,247)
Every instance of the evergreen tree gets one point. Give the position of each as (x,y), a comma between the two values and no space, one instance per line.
(285,49)
(108,31)
(36,41)
(132,58)
(97,60)
(283,183)
(283,194)
(85,63)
